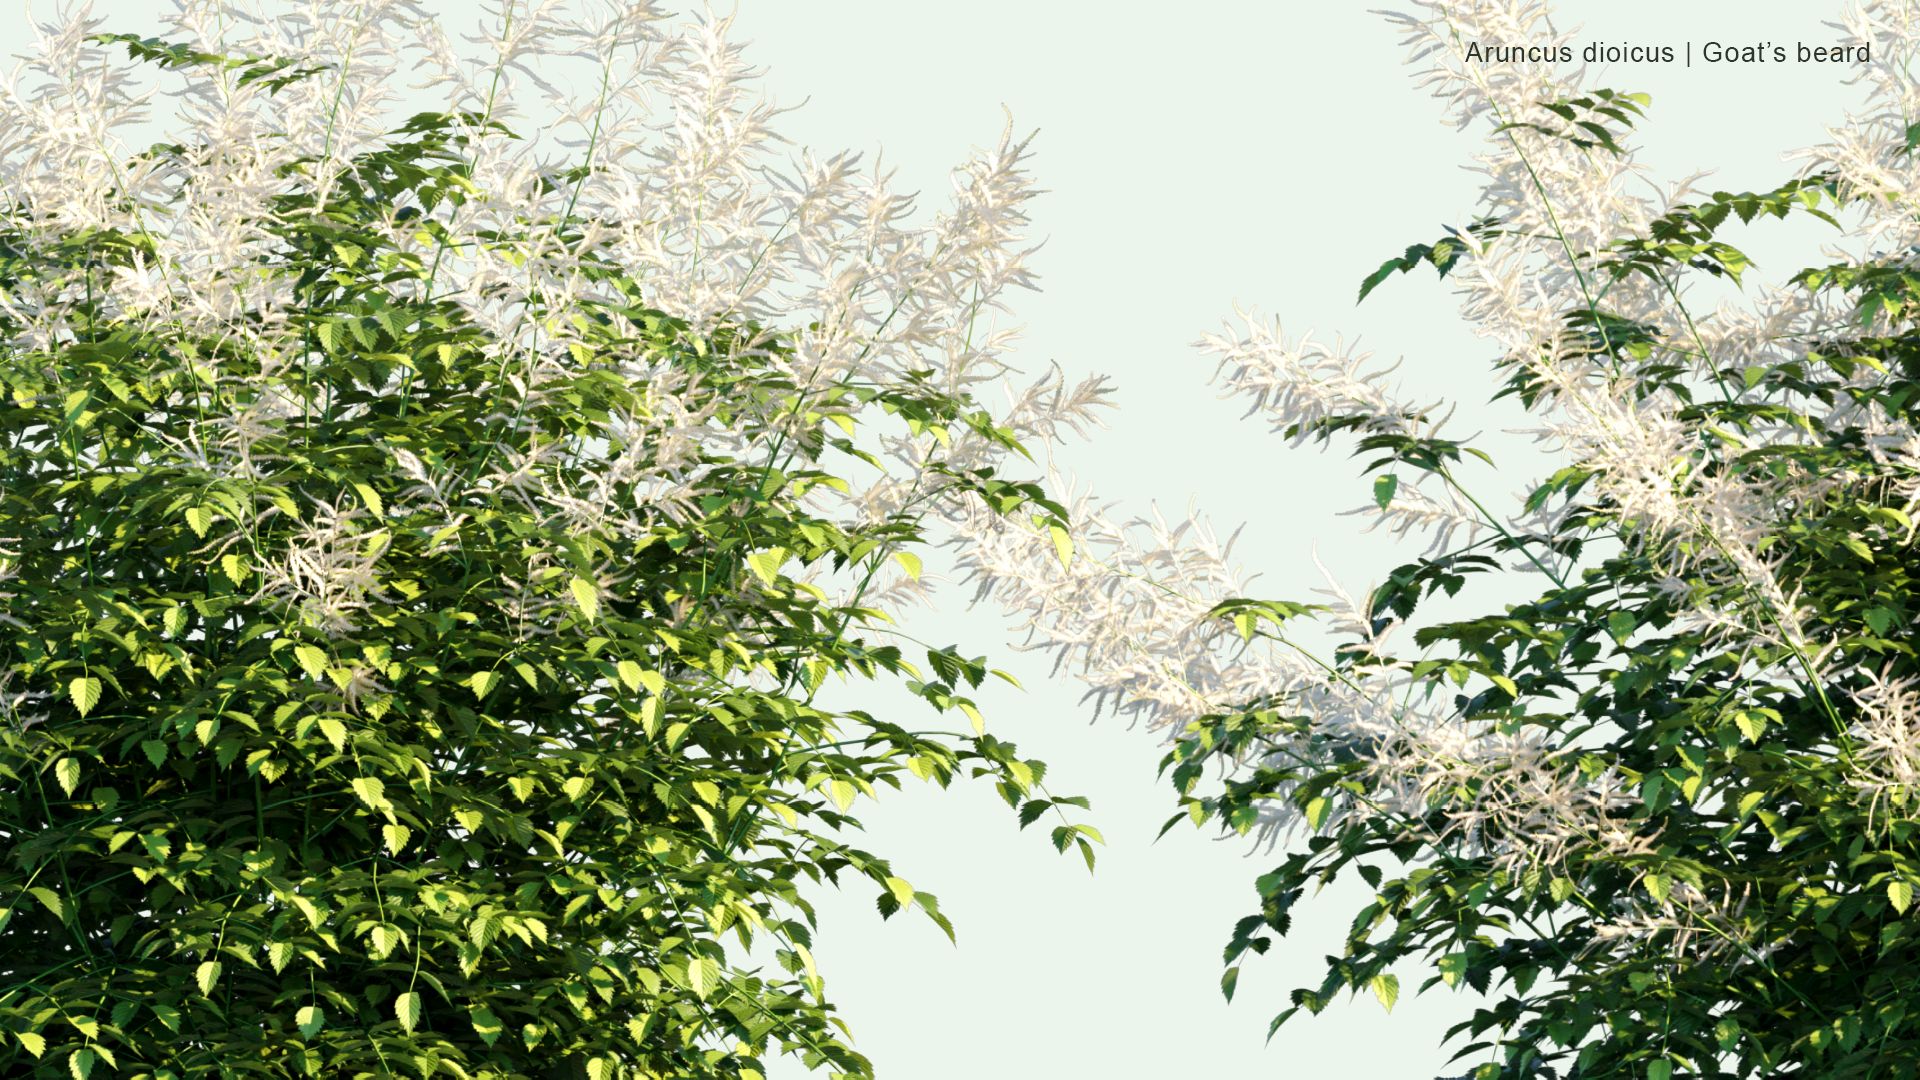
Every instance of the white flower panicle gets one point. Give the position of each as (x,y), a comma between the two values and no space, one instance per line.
(1129,615)
(662,166)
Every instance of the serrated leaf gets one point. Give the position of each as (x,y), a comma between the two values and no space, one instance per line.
(124,1012)
(655,682)
(35,1043)
(600,1068)
(51,900)
(311,1019)
(313,659)
(200,519)
(396,837)
(206,975)
(85,692)
(80,1063)
(66,772)
(371,791)
(1901,894)
(842,792)
(406,1008)
(704,976)
(586,596)
(485,1023)
(482,681)
(279,954)
(335,731)
(766,564)
(235,567)
(629,674)
(1386,988)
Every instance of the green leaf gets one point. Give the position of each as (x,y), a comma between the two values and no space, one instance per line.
(80,1063)
(206,975)
(485,1023)
(586,596)
(311,1019)
(1386,988)
(66,772)
(629,674)
(35,1043)
(85,692)
(909,562)
(313,659)
(406,1009)
(1659,1069)
(766,564)
(200,518)
(51,900)
(1062,544)
(704,976)
(1383,490)
(1901,894)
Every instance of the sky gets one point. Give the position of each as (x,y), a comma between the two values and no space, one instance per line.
(1263,154)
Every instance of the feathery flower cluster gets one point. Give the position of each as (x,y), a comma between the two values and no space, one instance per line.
(665,173)
(1131,618)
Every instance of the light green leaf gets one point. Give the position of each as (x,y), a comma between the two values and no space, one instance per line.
(766,564)
(902,891)
(600,1068)
(586,596)
(311,1019)
(66,772)
(909,562)
(312,658)
(371,791)
(335,731)
(485,1023)
(35,1043)
(200,519)
(234,567)
(843,794)
(85,692)
(482,681)
(397,837)
(406,1008)
(206,975)
(1901,893)
(1659,1069)
(80,1063)
(52,901)
(1386,988)
(371,499)
(704,975)
(1062,544)
(629,674)
(655,682)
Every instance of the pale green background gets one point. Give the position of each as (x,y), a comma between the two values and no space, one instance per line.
(1269,153)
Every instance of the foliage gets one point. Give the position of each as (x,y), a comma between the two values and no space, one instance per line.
(1657,810)
(411,666)
(1661,814)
